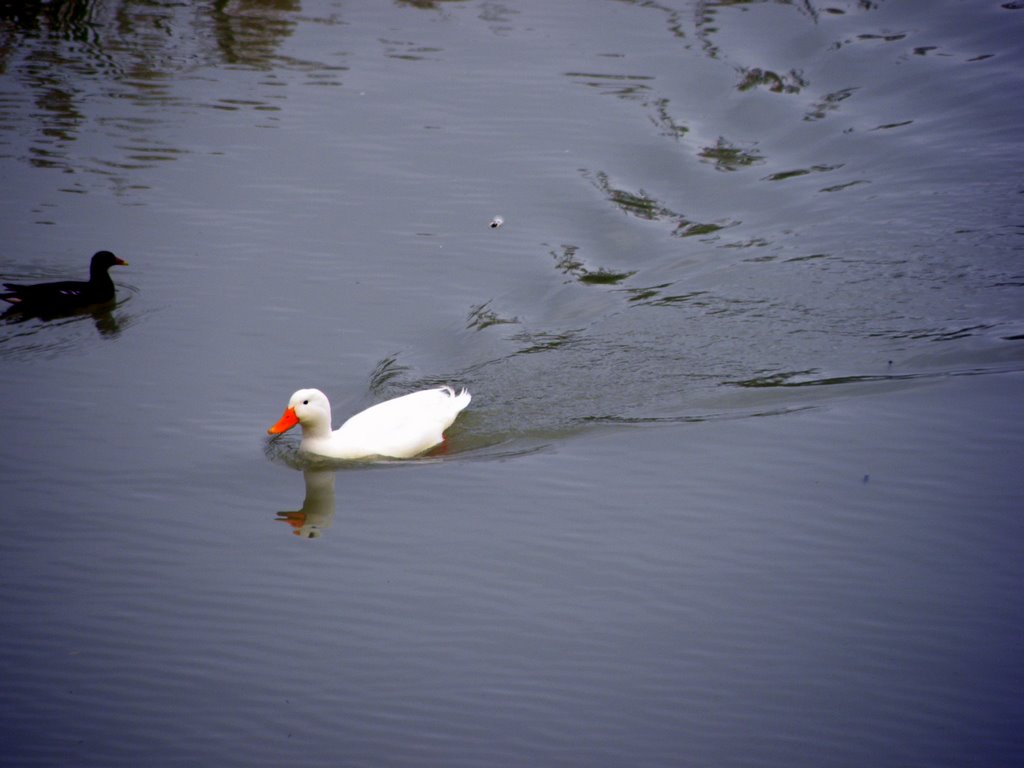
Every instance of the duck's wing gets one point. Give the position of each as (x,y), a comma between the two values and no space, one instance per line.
(406,425)
(64,293)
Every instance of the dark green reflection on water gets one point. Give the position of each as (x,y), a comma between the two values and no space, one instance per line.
(63,58)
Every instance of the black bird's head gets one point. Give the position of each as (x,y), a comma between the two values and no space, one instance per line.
(104,260)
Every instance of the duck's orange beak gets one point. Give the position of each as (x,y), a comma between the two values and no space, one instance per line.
(287,421)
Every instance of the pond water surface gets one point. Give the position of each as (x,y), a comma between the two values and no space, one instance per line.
(740,483)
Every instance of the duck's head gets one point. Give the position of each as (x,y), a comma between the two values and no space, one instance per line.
(308,407)
(104,260)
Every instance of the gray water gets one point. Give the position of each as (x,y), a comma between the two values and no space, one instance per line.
(740,483)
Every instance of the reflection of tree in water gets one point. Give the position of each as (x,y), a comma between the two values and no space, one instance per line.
(69,18)
(703,21)
(643,206)
(141,33)
(707,24)
(428,5)
(65,53)
(248,32)
(726,156)
(568,264)
(755,77)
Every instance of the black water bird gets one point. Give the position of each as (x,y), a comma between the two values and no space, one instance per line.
(66,295)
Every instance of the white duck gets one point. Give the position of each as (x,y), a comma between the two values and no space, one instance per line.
(400,428)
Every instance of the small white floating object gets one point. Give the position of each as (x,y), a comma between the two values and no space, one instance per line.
(496,222)
(400,428)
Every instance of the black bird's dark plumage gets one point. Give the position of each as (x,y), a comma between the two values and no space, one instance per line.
(66,295)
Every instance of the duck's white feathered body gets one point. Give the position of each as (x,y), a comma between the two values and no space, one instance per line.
(400,428)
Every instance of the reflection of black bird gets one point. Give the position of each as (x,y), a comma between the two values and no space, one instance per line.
(67,295)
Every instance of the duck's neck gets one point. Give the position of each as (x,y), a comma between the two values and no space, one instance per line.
(317,430)
(100,276)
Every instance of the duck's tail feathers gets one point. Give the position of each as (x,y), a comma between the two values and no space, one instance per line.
(461,399)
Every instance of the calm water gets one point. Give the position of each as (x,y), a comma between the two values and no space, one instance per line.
(741,479)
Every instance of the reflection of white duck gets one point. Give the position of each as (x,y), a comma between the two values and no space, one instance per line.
(317,511)
(400,428)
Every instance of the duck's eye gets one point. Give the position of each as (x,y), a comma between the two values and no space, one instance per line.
(305,402)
